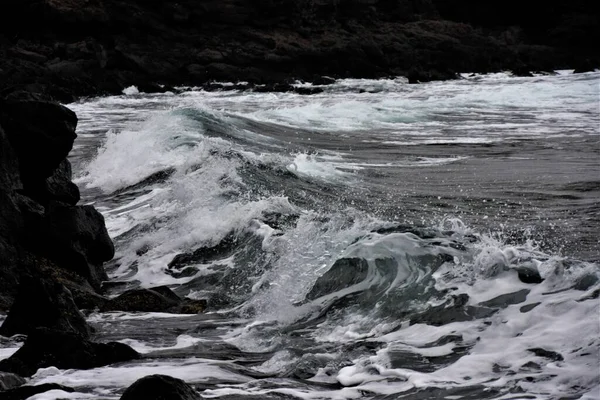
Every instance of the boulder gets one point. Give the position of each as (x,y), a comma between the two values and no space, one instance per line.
(42,134)
(158,299)
(76,238)
(64,350)
(43,302)
(160,387)
(9,381)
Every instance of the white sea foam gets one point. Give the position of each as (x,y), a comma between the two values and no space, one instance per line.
(306,165)
(131,90)
(183,341)
(7,352)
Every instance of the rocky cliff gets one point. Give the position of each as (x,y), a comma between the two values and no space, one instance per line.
(69,48)
(42,229)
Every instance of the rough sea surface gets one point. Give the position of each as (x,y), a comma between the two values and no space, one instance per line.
(376,241)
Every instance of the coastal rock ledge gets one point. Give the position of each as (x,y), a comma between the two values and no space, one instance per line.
(43,232)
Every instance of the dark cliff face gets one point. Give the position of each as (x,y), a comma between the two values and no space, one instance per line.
(42,229)
(77,47)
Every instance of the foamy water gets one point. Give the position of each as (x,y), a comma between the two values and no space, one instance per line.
(370,241)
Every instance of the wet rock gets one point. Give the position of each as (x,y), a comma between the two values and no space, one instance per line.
(344,273)
(160,387)
(523,71)
(43,302)
(549,354)
(529,275)
(158,299)
(323,80)
(146,300)
(10,381)
(206,254)
(507,299)
(529,307)
(25,392)
(45,348)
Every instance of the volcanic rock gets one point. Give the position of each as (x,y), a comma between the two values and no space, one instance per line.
(43,302)
(45,348)
(160,387)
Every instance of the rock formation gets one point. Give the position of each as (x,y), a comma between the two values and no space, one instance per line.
(73,48)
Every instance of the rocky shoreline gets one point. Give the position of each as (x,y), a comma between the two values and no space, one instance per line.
(67,49)
(52,252)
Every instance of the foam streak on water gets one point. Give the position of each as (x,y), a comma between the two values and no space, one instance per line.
(378,240)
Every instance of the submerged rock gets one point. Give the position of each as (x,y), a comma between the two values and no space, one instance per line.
(42,135)
(160,387)
(45,348)
(43,302)
(158,299)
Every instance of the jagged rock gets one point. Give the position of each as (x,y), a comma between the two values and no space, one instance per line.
(10,381)
(205,254)
(45,348)
(75,237)
(160,387)
(42,134)
(158,299)
(25,392)
(60,187)
(43,302)
(552,355)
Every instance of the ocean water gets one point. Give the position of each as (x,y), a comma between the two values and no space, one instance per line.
(378,240)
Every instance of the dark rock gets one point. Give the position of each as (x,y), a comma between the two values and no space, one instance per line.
(529,275)
(584,66)
(28,55)
(308,90)
(158,299)
(76,238)
(523,71)
(43,302)
(25,392)
(206,254)
(10,381)
(423,76)
(42,134)
(552,355)
(507,299)
(528,307)
(146,300)
(60,187)
(160,387)
(323,80)
(44,348)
